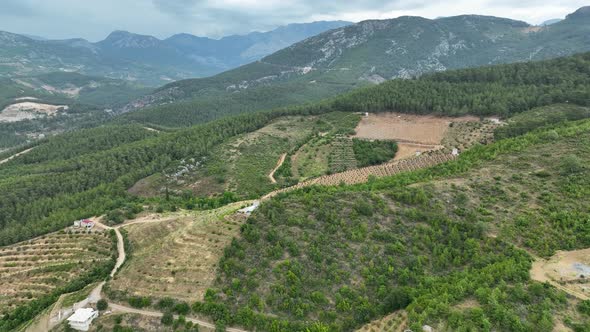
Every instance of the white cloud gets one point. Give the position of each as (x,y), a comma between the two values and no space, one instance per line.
(95,19)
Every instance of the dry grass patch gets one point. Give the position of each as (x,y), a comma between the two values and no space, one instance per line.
(177,257)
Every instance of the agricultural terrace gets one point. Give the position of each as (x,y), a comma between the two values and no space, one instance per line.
(175,255)
(34,268)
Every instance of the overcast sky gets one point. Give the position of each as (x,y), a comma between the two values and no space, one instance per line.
(94,19)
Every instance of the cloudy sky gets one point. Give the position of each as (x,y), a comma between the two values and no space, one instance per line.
(94,19)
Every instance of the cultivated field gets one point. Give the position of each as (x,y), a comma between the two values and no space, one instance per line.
(176,255)
(423,129)
(421,133)
(342,155)
(361,175)
(35,268)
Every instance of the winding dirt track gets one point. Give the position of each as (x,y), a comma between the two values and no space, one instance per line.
(271,176)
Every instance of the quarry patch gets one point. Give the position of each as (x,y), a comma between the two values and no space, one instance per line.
(29,110)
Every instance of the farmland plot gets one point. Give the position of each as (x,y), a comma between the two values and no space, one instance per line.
(177,256)
(417,133)
(34,268)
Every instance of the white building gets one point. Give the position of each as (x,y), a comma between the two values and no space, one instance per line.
(82,318)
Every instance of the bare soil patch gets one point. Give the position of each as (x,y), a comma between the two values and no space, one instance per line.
(28,110)
(407,128)
(408,150)
(566,270)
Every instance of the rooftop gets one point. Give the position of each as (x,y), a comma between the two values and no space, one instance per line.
(81,315)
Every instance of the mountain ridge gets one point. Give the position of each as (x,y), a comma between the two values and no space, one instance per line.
(365,53)
(147,59)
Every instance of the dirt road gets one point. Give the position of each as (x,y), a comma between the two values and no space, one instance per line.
(271,176)
(121,308)
(120,246)
(15,155)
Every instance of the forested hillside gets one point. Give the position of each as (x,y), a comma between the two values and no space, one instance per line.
(362,54)
(450,245)
(26,104)
(77,182)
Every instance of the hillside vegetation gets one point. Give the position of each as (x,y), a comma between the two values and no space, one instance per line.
(427,241)
(45,196)
(361,54)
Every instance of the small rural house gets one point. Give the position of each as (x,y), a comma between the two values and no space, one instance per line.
(82,318)
(85,223)
(455,152)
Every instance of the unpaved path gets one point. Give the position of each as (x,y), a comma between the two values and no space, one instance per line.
(120,246)
(15,155)
(151,129)
(271,176)
(121,308)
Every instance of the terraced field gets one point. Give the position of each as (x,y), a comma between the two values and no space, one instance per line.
(342,155)
(464,134)
(177,256)
(35,268)
(361,175)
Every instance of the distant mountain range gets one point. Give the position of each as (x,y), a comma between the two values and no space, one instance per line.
(551,21)
(146,59)
(361,54)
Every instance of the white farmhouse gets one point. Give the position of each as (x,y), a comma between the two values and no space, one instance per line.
(82,318)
